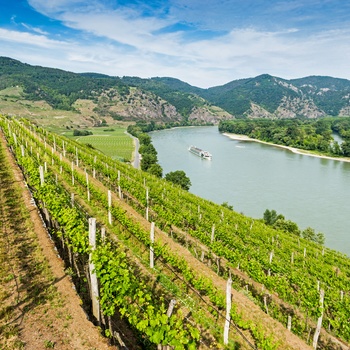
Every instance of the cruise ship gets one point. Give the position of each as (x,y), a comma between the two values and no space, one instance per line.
(200,153)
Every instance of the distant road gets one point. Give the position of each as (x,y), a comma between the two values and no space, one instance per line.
(136,162)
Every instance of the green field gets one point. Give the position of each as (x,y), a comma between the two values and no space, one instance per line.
(112,141)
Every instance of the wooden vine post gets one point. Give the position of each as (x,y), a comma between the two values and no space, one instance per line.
(109,207)
(103,235)
(72,173)
(289,323)
(228,310)
(93,278)
(87,186)
(319,321)
(212,234)
(169,313)
(14,138)
(147,204)
(119,189)
(171,307)
(41,173)
(77,158)
(265,304)
(151,249)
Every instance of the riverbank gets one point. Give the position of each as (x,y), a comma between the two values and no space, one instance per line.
(238,137)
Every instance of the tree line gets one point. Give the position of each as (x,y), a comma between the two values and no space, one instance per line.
(307,134)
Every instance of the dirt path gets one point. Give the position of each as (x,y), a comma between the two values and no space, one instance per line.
(39,308)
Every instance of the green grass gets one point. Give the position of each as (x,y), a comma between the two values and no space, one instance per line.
(112,141)
(11,92)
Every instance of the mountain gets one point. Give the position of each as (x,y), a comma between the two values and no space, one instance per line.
(273,97)
(263,96)
(98,96)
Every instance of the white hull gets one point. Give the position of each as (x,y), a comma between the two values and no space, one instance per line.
(200,153)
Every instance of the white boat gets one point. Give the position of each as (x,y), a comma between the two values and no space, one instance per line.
(200,153)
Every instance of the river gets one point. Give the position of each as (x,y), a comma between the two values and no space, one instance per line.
(253,177)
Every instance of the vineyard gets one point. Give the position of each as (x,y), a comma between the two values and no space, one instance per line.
(114,142)
(160,267)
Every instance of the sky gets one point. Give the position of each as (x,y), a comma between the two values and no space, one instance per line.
(202,42)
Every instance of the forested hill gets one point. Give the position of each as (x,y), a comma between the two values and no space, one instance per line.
(100,96)
(57,87)
(268,96)
(171,100)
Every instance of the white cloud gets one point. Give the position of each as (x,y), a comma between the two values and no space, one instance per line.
(52,7)
(119,27)
(34,29)
(122,42)
(29,39)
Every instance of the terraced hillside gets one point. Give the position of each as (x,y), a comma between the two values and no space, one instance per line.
(200,250)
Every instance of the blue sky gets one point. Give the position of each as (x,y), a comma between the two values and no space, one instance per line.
(202,42)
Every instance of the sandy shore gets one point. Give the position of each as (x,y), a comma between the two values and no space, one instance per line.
(292,149)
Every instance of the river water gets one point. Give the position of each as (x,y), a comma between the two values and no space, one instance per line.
(253,177)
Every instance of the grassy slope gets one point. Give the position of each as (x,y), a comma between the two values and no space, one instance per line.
(113,142)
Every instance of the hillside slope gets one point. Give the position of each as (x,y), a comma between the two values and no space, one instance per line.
(273,97)
(199,247)
(96,97)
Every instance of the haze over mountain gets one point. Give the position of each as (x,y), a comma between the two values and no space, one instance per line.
(171,100)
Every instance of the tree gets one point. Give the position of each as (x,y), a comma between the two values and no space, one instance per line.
(156,170)
(147,161)
(77,132)
(320,239)
(144,139)
(345,146)
(270,217)
(179,178)
(226,205)
(287,226)
(336,149)
(149,148)
(310,234)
